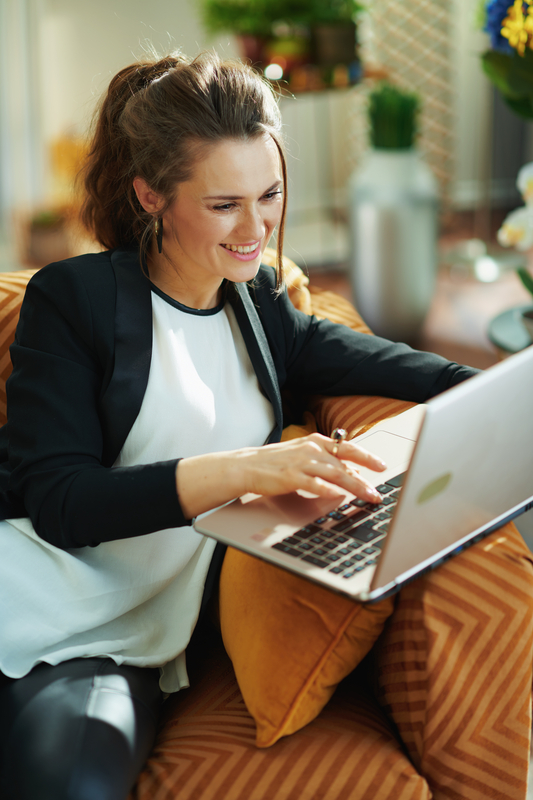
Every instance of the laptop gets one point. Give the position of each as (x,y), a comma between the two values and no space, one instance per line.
(458,467)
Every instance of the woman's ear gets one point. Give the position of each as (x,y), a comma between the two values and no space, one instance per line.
(150,200)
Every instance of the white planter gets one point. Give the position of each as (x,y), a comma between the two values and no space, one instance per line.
(393,213)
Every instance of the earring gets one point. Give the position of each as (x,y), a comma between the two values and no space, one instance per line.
(158,230)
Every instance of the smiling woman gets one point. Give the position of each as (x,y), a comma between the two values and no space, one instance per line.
(146,390)
(220,221)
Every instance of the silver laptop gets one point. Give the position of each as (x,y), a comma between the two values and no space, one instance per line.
(458,468)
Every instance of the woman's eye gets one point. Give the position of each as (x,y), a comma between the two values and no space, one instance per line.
(271,195)
(224,207)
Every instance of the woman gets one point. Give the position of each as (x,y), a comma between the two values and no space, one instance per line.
(141,396)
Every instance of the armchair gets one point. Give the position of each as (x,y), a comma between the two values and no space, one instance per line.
(351,749)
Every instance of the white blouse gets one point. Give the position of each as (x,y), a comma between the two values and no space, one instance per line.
(136,600)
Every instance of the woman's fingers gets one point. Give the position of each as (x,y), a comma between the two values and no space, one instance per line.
(309,464)
(347,451)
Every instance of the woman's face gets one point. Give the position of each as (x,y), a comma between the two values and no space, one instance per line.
(222,219)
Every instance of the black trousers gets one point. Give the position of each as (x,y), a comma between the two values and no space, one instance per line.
(81,730)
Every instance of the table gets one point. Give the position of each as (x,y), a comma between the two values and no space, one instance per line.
(507,332)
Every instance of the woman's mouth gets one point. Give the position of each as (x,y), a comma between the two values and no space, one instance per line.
(243,252)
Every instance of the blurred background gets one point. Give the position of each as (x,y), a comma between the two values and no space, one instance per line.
(57,57)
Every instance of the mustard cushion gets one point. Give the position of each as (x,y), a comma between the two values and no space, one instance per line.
(291,642)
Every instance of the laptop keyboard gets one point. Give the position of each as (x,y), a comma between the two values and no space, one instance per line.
(348,539)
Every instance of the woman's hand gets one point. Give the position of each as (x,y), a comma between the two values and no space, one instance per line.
(205,482)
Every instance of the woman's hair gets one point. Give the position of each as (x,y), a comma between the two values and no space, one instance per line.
(155,121)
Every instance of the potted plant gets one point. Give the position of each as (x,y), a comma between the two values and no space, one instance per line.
(517,231)
(509,61)
(393,199)
(282,30)
(252,21)
(334,30)
(48,236)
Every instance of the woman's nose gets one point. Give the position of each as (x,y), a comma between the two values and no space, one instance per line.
(252,227)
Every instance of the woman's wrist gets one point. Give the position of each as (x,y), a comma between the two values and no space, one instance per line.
(208,481)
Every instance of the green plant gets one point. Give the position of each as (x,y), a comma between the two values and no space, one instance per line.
(526,279)
(509,62)
(244,17)
(321,11)
(48,218)
(393,117)
(257,17)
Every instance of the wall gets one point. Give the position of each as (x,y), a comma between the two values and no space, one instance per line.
(65,52)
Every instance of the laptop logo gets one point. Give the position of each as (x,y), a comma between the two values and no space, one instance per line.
(434,488)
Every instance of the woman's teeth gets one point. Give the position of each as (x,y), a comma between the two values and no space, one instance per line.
(243,249)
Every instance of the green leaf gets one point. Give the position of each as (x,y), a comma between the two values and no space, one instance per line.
(521,73)
(526,279)
(522,106)
(497,66)
(513,77)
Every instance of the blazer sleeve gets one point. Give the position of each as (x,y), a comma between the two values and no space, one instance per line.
(54,433)
(321,357)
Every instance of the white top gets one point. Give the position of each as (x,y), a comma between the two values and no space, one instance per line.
(137,600)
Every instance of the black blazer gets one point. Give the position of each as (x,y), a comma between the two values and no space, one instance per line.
(81,361)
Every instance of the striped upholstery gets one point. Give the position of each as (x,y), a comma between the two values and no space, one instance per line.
(455,667)
(206,750)
(12,287)
(452,671)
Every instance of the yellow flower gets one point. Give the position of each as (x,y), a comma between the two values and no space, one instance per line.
(517,27)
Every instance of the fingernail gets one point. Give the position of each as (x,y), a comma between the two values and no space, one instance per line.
(375,494)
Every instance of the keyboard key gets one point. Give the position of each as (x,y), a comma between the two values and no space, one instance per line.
(283,548)
(337,570)
(383,488)
(318,562)
(305,546)
(330,545)
(387,501)
(358,557)
(320,520)
(341,539)
(358,503)
(332,558)
(320,552)
(316,540)
(344,551)
(370,550)
(383,515)
(291,540)
(335,515)
(308,531)
(345,507)
(350,521)
(365,534)
(346,563)
(396,481)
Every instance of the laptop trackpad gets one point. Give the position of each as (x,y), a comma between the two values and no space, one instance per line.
(394,450)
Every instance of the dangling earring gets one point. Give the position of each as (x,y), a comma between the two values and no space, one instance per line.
(158,230)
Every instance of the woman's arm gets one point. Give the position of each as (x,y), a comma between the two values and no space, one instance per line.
(62,356)
(205,482)
(321,357)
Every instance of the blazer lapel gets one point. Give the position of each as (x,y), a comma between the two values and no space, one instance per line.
(258,350)
(133,350)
